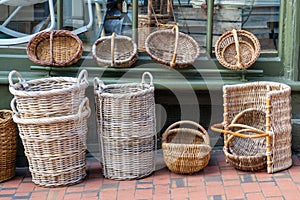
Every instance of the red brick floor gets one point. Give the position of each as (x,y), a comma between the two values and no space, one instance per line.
(217,181)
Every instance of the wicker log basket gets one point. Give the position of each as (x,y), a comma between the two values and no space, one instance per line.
(55,48)
(186,150)
(126,128)
(115,51)
(257,126)
(237,49)
(55,146)
(172,48)
(48,97)
(8,148)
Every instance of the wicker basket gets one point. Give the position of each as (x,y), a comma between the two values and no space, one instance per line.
(115,51)
(48,97)
(8,148)
(55,48)
(55,146)
(257,126)
(126,128)
(237,49)
(172,48)
(186,150)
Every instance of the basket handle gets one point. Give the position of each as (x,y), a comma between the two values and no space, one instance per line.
(172,63)
(204,132)
(98,84)
(237,48)
(150,76)
(20,78)
(112,49)
(82,77)
(13,106)
(85,105)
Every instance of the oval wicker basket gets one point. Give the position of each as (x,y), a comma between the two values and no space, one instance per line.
(115,51)
(55,48)
(186,150)
(237,49)
(172,48)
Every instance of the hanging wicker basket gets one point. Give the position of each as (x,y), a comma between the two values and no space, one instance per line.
(186,150)
(115,51)
(237,49)
(8,148)
(172,48)
(55,48)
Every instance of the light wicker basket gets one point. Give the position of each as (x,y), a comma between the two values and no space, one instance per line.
(257,126)
(8,148)
(48,97)
(126,128)
(55,146)
(237,49)
(186,150)
(115,51)
(172,48)
(55,48)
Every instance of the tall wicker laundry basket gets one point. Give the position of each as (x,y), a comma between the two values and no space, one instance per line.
(55,146)
(126,128)
(8,145)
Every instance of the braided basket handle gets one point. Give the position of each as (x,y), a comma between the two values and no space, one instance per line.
(150,76)
(237,48)
(98,84)
(172,63)
(203,133)
(112,48)
(20,78)
(82,77)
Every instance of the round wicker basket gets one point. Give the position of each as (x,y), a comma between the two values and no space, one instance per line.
(55,48)
(186,150)
(115,51)
(237,49)
(172,48)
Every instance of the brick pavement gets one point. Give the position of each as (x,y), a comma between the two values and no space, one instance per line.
(216,182)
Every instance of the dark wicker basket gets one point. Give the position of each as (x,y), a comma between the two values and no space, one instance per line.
(55,48)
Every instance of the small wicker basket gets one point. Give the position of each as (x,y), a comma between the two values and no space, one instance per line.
(8,145)
(115,51)
(172,48)
(237,49)
(186,150)
(55,48)
(48,97)
(55,146)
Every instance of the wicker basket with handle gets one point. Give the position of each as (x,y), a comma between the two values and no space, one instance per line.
(237,49)
(186,150)
(48,97)
(8,145)
(55,48)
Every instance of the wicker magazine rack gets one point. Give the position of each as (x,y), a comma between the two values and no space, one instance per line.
(172,48)
(115,51)
(237,49)
(257,126)
(8,148)
(55,48)
(186,150)
(126,128)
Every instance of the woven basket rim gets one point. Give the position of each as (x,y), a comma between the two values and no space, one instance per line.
(180,34)
(8,114)
(38,38)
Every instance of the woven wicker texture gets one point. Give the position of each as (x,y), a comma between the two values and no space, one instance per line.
(257,126)
(126,128)
(172,48)
(8,145)
(48,97)
(237,49)
(55,48)
(186,150)
(115,51)
(55,146)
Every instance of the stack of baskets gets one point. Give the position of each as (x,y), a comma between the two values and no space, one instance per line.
(186,150)
(126,128)
(8,145)
(51,114)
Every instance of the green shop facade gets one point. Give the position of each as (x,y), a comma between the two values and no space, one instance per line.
(194,92)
